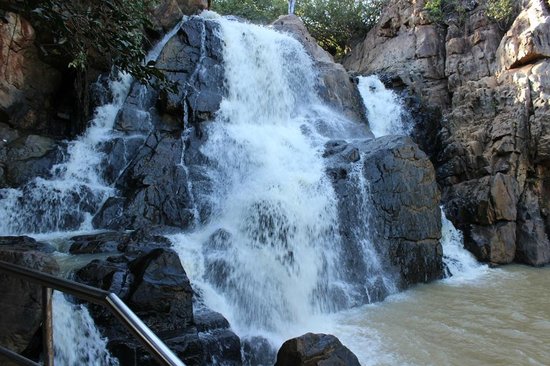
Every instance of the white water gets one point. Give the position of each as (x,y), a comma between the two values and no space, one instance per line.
(460,265)
(76,189)
(76,339)
(268,258)
(384,109)
(49,206)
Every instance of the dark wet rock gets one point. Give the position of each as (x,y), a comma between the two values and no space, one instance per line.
(193,59)
(258,351)
(153,189)
(112,241)
(21,301)
(118,154)
(24,157)
(148,276)
(391,178)
(315,350)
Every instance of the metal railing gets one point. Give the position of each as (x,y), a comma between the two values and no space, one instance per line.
(140,331)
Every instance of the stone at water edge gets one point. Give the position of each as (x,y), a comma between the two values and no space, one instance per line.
(315,350)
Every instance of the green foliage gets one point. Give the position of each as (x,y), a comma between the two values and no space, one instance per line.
(441,10)
(334,23)
(501,11)
(109,31)
(258,11)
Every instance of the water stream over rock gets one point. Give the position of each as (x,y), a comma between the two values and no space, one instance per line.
(286,214)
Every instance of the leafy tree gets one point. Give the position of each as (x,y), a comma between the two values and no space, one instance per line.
(337,24)
(258,11)
(499,11)
(334,23)
(85,31)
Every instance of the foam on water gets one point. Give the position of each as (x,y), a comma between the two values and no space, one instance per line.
(76,339)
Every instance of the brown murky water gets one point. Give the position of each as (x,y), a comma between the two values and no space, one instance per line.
(502,317)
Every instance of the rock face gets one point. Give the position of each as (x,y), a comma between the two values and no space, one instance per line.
(27,84)
(151,178)
(336,87)
(405,44)
(25,156)
(396,185)
(491,157)
(315,350)
(21,302)
(147,275)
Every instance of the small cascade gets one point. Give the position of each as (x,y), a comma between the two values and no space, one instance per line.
(459,263)
(270,255)
(76,338)
(387,116)
(384,110)
(76,189)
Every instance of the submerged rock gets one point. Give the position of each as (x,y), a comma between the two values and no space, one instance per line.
(315,350)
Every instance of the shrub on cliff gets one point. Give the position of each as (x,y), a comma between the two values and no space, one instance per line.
(500,11)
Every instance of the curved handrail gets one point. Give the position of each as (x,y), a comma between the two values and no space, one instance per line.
(101,297)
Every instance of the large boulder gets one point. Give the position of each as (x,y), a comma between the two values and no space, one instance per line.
(315,350)
(24,157)
(528,39)
(148,276)
(391,178)
(21,301)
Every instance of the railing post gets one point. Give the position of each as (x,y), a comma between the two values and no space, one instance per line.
(47,326)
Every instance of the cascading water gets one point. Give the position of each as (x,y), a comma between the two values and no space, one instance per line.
(386,117)
(76,189)
(268,257)
(384,110)
(460,264)
(77,340)
(67,201)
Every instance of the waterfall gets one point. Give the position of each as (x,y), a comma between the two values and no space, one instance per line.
(76,338)
(291,6)
(76,189)
(385,113)
(384,110)
(460,264)
(268,256)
